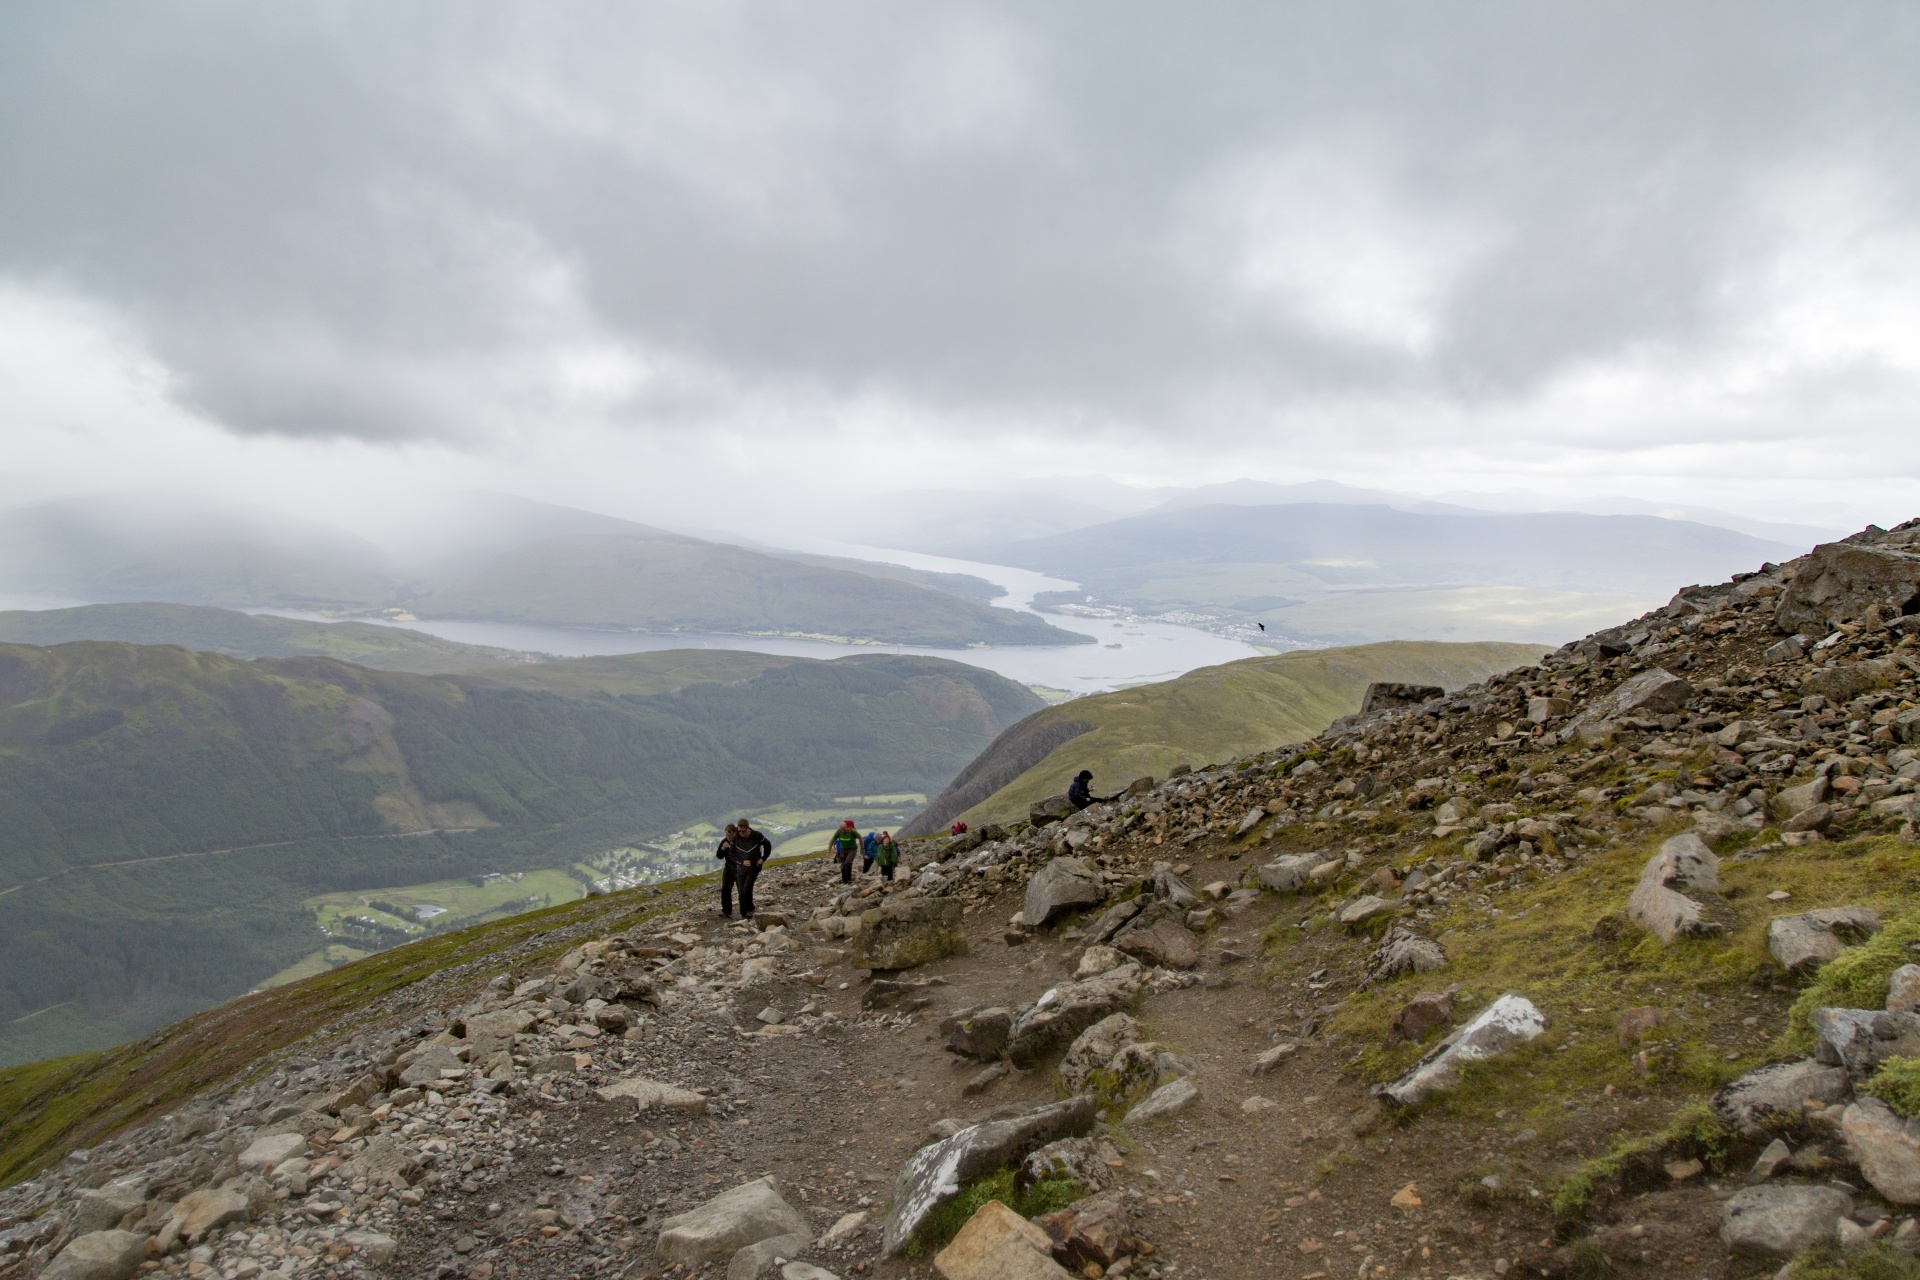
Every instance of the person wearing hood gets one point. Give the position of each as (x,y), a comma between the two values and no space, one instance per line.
(1080,790)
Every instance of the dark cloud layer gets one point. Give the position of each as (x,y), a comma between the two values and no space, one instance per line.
(440,220)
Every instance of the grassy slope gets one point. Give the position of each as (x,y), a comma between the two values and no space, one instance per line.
(247,635)
(668,583)
(965,585)
(168,811)
(1220,712)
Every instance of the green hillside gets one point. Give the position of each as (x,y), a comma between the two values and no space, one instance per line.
(1209,715)
(965,585)
(664,582)
(167,811)
(248,635)
(660,671)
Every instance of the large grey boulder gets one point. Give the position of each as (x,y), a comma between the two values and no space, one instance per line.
(210,1207)
(1507,1023)
(1114,919)
(1164,942)
(1063,1012)
(758,1259)
(98,1255)
(1860,1039)
(384,1162)
(424,1071)
(1804,942)
(1886,1147)
(1404,951)
(1770,1095)
(935,1173)
(1660,903)
(1779,1220)
(263,1153)
(493,1033)
(728,1223)
(1168,887)
(908,932)
(998,1244)
(1796,800)
(1094,1048)
(101,1208)
(981,1034)
(1051,809)
(647,1094)
(1062,885)
(1839,581)
(1289,874)
(1171,1097)
(1383,695)
(1653,693)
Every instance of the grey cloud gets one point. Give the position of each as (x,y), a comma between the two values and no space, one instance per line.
(396,221)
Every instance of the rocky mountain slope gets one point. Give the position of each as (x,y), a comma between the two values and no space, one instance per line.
(1600,967)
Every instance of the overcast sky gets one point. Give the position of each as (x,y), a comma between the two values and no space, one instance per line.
(662,258)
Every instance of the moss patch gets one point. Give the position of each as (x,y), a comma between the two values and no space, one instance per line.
(1876,1261)
(1897,1083)
(944,1223)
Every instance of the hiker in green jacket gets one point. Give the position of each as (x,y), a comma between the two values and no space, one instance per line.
(887,854)
(844,847)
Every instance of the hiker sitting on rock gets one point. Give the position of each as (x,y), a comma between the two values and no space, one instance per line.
(1079,791)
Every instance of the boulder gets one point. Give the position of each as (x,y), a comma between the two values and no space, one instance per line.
(728,1223)
(1171,889)
(1886,1147)
(1804,942)
(1171,1097)
(1289,874)
(1839,581)
(1081,1160)
(1903,989)
(1840,684)
(204,1210)
(375,1246)
(1052,809)
(1096,960)
(1386,695)
(492,1033)
(981,1034)
(98,1255)
(648,1094)
(1271,1060)
(1660,904)
(1860,1039)
(1094,1048)
(1779,1220)
(383,1162)
(1097,1230)
(1366,908)
(1165,942)
(1793,800)
(1778,1094)
(101,1208)
(1065,884)
(1404,951)
(1507,1023)
(1113,920)
(263,1153)
(1651,693)
(935,1173)
(908,932)
(1063,1012)
(760,1257)
(1813,818)
(998,1244)
(1420,1015)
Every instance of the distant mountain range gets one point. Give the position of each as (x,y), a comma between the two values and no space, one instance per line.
(491,557)
(166,811)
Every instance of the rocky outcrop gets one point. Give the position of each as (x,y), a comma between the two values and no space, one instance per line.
(1065,884)
(998,1244)
(1804,942)
(1840,581)
(1779,1095)
(1063,1012)
(1665,903)
(1504,1025)
(729,1222)
(935,1173)
(1886,1147)
(1779,1221)
(1861,1039)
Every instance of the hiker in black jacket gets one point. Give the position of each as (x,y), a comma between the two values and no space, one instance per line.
(746,851)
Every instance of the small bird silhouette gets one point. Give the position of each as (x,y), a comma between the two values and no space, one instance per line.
(1261,625)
